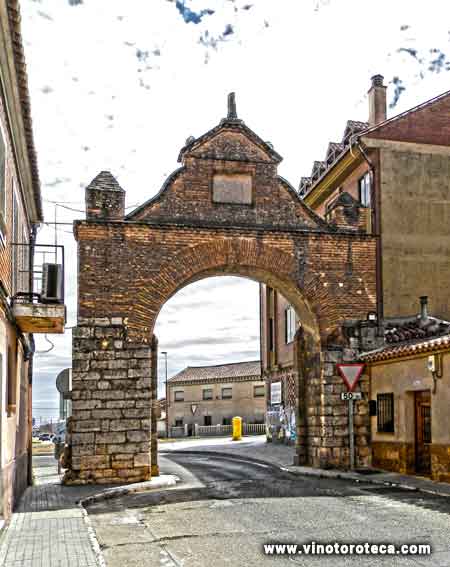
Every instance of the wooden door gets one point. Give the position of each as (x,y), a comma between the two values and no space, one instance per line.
(423,431)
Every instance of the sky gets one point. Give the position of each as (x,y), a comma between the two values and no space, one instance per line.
(121,85)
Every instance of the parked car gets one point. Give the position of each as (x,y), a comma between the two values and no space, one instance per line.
(44,437)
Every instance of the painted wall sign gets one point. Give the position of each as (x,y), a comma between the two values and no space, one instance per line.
(275,393)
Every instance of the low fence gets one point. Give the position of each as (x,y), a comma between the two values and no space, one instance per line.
(217,430)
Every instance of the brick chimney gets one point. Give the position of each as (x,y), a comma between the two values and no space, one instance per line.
(377,101)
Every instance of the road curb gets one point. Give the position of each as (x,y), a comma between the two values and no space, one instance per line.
(318,473)
(162,481)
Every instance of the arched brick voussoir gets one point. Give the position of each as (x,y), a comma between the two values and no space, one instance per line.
(239,256)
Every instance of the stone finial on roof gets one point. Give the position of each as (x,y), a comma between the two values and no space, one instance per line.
(232,112)
(105,198)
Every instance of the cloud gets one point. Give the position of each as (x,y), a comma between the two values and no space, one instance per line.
(189,16)
(199,341)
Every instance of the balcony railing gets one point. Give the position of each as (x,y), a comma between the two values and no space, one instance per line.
(38,287)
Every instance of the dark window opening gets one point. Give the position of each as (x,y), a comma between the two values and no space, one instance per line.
(385,413)
(227,393)
(259,391)
(271,334)
(364,190)
(207,420)
(208,394)
(179,396)
(226,421)
(179,422)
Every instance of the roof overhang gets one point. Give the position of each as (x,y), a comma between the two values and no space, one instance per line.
(13,83)
(333,177)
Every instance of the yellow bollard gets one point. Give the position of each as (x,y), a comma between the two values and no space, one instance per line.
(237,428)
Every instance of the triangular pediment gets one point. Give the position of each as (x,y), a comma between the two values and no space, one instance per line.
(230,140)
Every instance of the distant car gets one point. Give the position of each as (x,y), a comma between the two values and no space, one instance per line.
(44,437)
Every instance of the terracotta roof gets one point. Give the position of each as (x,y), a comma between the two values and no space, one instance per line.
(334,151)
(353,127)
(219,372)
(411,337)
(21,72)
(105,181)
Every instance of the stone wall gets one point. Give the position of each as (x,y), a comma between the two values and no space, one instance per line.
(111,402)
(323,432)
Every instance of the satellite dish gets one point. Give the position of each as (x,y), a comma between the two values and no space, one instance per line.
(63,381)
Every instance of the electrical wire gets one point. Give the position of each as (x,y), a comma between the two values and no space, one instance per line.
(45,351)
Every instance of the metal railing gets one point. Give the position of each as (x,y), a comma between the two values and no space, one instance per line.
(217,430)
(28,261)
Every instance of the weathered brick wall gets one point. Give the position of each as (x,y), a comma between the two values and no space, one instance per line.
(128,269)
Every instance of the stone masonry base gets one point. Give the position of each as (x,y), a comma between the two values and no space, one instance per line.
(111,401)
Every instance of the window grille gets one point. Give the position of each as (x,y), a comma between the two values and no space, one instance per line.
(385,413)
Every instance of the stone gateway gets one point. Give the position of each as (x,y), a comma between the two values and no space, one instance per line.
(225,211)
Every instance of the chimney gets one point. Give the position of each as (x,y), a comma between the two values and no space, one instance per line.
(377,101)
(423,308)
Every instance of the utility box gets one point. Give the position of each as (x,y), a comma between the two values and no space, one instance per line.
(237,428)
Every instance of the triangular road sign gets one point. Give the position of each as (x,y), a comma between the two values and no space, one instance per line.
(193,409)
(350,373)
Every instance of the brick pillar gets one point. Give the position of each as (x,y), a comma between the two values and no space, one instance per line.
(154,417)
(111,404)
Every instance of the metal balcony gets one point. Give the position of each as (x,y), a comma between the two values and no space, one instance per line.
(38,288)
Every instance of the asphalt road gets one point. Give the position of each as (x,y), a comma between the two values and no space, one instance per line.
(225,509)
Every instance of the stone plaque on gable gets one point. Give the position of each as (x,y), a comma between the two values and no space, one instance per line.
(232,188)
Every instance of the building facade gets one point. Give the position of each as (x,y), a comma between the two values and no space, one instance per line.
(410,397)
(20,210)
(391,177)
(213,395)
(22,310)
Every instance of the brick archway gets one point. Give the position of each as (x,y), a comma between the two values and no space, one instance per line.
(225,211)
(244,256)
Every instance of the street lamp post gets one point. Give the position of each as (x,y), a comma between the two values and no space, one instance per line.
(167,398)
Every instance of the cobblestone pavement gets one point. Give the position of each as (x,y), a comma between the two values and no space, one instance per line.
(48,528)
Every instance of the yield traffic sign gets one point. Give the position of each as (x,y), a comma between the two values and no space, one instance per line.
(350,373)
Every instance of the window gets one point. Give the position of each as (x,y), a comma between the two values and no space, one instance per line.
(289,324)
(11,381)
(207,420)
(226,421)
(227,393)
(271,334)
(179,422)
(259,391)
(364,190)
(385,413)
(208,394)
(15,253)
(179,396)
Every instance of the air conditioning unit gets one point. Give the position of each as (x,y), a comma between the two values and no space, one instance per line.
(52,283)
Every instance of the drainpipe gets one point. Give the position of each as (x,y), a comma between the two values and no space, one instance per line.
(30,357)
(376,231)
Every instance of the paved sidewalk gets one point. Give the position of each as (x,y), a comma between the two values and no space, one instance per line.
(49,527)
(283,456)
